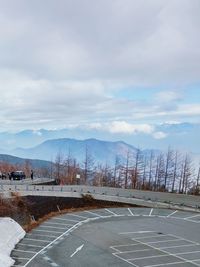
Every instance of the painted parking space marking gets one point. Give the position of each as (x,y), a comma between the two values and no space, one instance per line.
(35,234)
(92,213)
(52,227)
(29,245)
(65,219)
(54,223)
(171,214)
(111,212)
(24,251)
(145,252)
(130,211)
(48,231)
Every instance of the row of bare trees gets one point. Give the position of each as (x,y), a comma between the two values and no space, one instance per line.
(171,171)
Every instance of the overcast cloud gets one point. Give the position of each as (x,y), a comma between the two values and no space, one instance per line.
(71,62)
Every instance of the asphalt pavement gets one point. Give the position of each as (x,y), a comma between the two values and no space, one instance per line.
(121,237)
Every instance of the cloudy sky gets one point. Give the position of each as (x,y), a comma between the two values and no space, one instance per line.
(117,65)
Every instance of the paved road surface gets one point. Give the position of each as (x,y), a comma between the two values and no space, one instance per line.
(119,237)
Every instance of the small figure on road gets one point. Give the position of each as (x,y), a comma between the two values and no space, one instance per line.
(31,174)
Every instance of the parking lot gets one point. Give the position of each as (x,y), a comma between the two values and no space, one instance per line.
(137,237)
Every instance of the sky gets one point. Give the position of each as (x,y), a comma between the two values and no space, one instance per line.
(116,65)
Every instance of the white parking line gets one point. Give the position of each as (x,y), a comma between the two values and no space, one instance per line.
(148,257)
(65,219)
(153,236)
(138,232)
(113,213)
(194,216)
(190,220)
(80,216)
(130,211)
(126,261)
(169,254)
(172,213)
(47,231)
(19,258)
(53,227)
(166,264)
(38,240)
(93,213)
(27,245)
(41,235)
(151,211)
(189,252)
(127,245)
(137,250)
(49,223)
(180,246)
(163,241)
(25,251)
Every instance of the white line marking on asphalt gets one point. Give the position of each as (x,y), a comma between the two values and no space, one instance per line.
(80,216)
(35,234)
(169,254)
(148,257)
(62,224)
(130,211)
(63,234)
(18,258)
(189,252)
(25,251)
(127,245)
(137,250)
(152,236)
(151,211)
(174,212)
(111,212)
(189,241)
(38,240)
(166,264)
(116,255)
(65,219)
(34,246)
(93,213)
(194,216)
(78,249)
(180,246)
(53,227)
(46,231)
(163,241)
(138,232)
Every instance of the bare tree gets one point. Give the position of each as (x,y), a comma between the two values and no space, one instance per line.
(88,165)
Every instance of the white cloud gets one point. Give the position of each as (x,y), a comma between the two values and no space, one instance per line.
(128,128)
(159,135)
(61,63)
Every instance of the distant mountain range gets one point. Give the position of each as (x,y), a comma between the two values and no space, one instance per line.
(100,151)
(46,144)
(182,136)
(34,163)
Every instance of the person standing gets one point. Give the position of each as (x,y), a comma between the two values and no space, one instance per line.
(31,174)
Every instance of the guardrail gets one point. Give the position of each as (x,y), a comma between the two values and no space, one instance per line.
(26,181)
(146,198)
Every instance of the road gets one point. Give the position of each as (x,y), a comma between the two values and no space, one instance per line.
(119,237)
(136,197)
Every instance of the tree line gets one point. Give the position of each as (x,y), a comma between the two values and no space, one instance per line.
(171,171)
(156,171)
